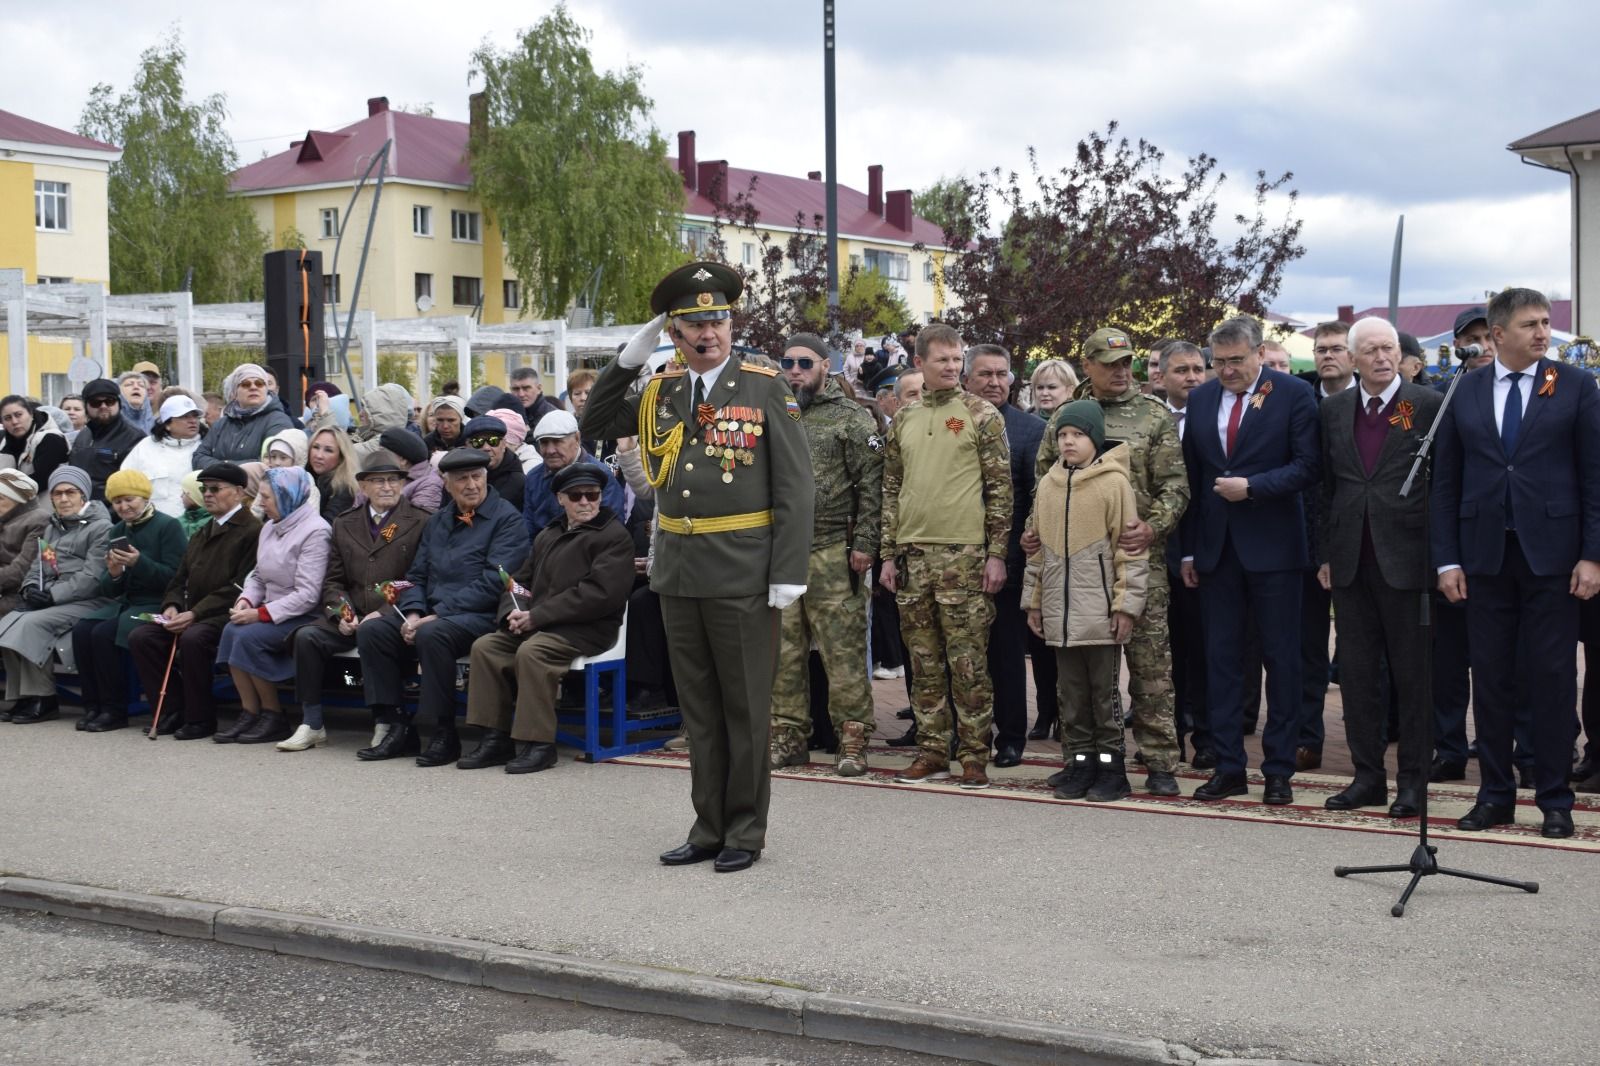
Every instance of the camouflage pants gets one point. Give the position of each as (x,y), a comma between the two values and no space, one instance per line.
(1149,651)
(834,616)
(945,618)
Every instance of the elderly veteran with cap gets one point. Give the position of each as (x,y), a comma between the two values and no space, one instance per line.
(145,549)
(488,434)
(194,607)
(63,587)
(107,439)
(23,517)
(371,545)
(448,601)
(424,487)
(560,446)
(167,454)
(567,600)
(281,594)
(732,470)
(251,416)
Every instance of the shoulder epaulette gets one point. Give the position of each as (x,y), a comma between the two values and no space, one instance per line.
(764,371)
(674,372)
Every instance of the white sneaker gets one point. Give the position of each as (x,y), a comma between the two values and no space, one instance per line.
(304,737)
(885,673)
(380,731)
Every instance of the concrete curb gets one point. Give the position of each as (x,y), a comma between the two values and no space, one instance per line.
(619,986)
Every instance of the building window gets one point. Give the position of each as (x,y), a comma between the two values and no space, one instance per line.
(50,280)
(330,288)
(511,293)
(55,388)
(50,205)
(896,266)
(927,270)
(749,254)
(927,318)
(694,237)
(466,292)
(421,220)
(855,262)
(464,227)
(330,223)
(424,286)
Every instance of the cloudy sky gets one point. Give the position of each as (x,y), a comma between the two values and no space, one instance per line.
(1379,109)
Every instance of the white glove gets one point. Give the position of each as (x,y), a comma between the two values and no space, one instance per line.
(781,596)
(644,343)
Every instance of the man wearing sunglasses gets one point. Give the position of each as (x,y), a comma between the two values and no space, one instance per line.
(560,446)
(722,443)
(847,462)
(106,440)
(488,434)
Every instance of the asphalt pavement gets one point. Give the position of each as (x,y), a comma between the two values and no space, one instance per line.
(1228,938)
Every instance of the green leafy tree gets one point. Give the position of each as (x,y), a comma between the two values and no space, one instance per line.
(868,302)
(570,166)
(169,207)
(939,203)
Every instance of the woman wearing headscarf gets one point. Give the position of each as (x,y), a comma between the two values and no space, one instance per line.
(22,517)
(146,547)
(62,587)
(166,457)
(446,416)
(281,594)
(516,439)
(33,443)
(252,414)
(331,461)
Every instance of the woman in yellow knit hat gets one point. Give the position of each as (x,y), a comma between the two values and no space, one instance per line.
(145,550)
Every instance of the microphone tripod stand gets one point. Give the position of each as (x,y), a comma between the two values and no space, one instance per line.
(1424,861)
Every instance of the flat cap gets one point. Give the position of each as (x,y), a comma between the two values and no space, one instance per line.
(578,474)
(555,424)
(457,460)
(228,473)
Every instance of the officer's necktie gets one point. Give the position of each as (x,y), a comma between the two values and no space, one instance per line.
(1511,417)
(1233,419)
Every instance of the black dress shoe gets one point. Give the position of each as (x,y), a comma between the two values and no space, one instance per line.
(1484,815)
(1447,770)
(1407,804)
(1221,786)
(106,721)
(1205,759)
(1277,793)
(495,749)
(734,859)
(1557,825)
(400,740)
(1357,796)
(42,710)
(89,714)
(1042,728)
(194,731)
(906,740)
(1007,756)
(269,728)
(445,747)
(688,854)
(245,722)
(532,756)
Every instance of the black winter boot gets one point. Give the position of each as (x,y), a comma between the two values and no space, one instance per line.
(1080,775)
(1110,779)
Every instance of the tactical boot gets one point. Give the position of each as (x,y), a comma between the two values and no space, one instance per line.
(1110,779)
(852,758)
(924,767)
(1080,775)
(788,748)
(1161,783)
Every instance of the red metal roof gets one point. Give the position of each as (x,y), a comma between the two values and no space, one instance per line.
(425,149)
(14,127)
(1585,129)
(1429,320)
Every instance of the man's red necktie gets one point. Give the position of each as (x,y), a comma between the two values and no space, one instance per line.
(1233,419)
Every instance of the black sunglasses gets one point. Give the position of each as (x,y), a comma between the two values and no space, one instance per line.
(485,442)
(104,401)
(790,364)
(589,495)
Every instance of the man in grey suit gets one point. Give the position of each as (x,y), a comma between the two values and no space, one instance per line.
(1374,560)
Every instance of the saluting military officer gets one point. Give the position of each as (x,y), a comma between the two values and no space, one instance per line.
(723,447)
(847,462)
(1161,486)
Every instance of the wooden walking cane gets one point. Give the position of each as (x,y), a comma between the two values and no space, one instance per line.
(155,719)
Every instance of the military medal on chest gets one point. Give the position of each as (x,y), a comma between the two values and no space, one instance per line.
(731,433)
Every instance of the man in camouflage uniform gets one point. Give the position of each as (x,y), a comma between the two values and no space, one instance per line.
(1161,484)
(946,517)
(847,461)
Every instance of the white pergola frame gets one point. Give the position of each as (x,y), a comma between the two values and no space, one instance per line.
(92,319)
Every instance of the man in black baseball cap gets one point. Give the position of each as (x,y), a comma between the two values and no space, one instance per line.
(1472,328)
(107,438)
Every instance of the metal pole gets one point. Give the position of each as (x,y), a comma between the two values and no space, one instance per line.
(1394,274)
(832,165)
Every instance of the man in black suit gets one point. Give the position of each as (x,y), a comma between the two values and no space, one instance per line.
(1516,535)
(1374,560)
(1251,450)
(1184,371)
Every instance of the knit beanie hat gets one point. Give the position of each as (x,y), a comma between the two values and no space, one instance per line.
(70,475)
(1085,415)
(15,485)
(127,483)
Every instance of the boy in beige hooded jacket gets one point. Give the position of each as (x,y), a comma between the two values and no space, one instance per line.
(1082,594)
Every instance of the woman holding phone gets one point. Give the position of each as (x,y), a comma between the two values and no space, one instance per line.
(144,552)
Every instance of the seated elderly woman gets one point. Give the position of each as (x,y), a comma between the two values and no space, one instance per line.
(146,548)
(23,517)
(251,416)
(372,546)
(63,587)
(281,594)
(566,600)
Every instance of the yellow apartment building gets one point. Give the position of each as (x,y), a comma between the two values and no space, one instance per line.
(53,227)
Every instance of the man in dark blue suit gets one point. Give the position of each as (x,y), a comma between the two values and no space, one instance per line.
(1516,517)
(1251,449)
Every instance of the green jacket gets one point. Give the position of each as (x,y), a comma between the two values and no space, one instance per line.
(847,462)
(769,471)
(964,464)
(161,542)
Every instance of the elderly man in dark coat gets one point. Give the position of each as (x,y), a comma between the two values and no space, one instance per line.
(567,601)
(371,544)
(448,601)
